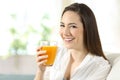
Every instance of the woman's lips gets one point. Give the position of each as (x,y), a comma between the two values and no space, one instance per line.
(68,39)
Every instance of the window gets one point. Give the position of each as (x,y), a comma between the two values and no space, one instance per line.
(23,23)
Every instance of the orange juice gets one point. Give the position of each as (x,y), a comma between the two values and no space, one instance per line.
(51,52)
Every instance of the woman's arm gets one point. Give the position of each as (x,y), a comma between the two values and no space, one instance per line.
(39,75)
(40,60)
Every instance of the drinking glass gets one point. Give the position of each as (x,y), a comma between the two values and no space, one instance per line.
(51,49)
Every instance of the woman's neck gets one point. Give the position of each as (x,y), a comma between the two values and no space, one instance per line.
(77,55)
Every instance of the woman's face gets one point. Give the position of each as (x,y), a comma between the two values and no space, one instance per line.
(71,30)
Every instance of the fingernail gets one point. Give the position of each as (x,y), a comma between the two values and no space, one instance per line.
(44,51)
(45,60)
(46,56)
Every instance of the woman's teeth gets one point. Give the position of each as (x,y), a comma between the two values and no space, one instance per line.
(68,39)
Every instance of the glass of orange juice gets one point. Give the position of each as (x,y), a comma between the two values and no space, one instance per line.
(51,49)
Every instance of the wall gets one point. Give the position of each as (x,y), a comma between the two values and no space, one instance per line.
(18,65)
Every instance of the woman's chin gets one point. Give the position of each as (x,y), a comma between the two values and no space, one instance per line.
(68,46)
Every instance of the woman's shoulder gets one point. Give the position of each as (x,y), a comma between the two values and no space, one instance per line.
(98,67)
(100,61)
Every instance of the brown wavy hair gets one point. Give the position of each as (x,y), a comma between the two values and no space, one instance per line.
(91,36)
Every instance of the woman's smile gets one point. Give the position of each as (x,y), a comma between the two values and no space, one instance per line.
(68,39)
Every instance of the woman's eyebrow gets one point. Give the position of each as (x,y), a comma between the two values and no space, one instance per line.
(72,24)
(69,23)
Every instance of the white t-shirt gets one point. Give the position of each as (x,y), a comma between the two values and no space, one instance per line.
(92,68)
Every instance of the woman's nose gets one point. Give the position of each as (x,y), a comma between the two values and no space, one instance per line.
(66,31)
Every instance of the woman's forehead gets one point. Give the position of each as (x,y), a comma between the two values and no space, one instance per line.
(71,17)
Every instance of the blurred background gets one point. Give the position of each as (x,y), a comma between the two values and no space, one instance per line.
(24,23)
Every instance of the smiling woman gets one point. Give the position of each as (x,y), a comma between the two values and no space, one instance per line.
(81,57)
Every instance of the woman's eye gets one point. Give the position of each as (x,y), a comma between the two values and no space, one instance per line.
(73,27)
(62,26)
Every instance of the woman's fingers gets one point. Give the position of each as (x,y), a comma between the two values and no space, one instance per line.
(41,63)
(39,53)
(42,58)
(39,48)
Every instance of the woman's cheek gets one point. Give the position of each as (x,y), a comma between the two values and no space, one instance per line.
(75,32)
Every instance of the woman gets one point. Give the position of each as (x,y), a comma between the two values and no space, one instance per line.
(82,58)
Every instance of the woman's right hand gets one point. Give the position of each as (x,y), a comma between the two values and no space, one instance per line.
(41,59)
